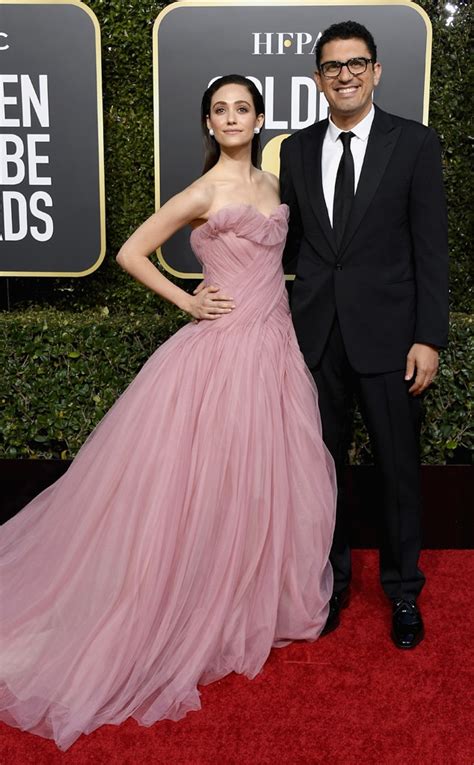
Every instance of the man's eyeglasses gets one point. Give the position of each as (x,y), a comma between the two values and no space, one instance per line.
(355,66)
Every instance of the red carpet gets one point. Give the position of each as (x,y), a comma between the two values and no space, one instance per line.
(351,698)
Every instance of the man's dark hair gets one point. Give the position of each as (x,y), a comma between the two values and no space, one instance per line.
(345,30)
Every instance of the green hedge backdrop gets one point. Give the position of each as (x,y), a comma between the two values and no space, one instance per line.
(69,347)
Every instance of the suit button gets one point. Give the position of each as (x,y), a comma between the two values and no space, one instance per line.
(338,266)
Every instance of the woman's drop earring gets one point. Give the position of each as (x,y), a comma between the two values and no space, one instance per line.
(256,131)
(211,132)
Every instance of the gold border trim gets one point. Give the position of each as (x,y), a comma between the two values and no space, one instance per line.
(100,142)
(228,3)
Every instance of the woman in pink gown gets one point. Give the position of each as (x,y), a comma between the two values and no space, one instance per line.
(192,531)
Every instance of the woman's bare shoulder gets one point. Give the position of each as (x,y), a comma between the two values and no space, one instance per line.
(197,197)
(202,194)
(272,180)
(201,191)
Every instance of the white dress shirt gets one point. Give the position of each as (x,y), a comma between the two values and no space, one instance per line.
(332,153)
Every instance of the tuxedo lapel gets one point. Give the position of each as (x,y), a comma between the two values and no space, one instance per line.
(312,150)
(381,143)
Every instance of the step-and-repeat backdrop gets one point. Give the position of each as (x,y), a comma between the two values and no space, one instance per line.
(52,219)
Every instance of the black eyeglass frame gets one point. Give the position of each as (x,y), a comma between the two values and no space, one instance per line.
(341,64)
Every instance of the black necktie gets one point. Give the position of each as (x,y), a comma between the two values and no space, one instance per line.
(344,189)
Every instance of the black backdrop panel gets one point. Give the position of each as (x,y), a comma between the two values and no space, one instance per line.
(274,43)
(52,218)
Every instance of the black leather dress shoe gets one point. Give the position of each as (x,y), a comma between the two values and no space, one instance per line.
(407,624)
(338,601)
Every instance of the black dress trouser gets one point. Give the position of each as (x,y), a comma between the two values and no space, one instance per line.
(392,418)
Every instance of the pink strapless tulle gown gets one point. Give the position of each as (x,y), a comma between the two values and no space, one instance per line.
(192,531)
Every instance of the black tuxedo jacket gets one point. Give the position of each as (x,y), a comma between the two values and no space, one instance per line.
(388,282)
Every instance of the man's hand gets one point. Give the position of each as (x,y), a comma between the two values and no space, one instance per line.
(423,359)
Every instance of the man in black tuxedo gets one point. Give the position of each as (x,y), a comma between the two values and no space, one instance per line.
(368,245)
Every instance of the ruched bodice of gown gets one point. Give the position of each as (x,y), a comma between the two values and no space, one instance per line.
(241,249)
(192,531)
